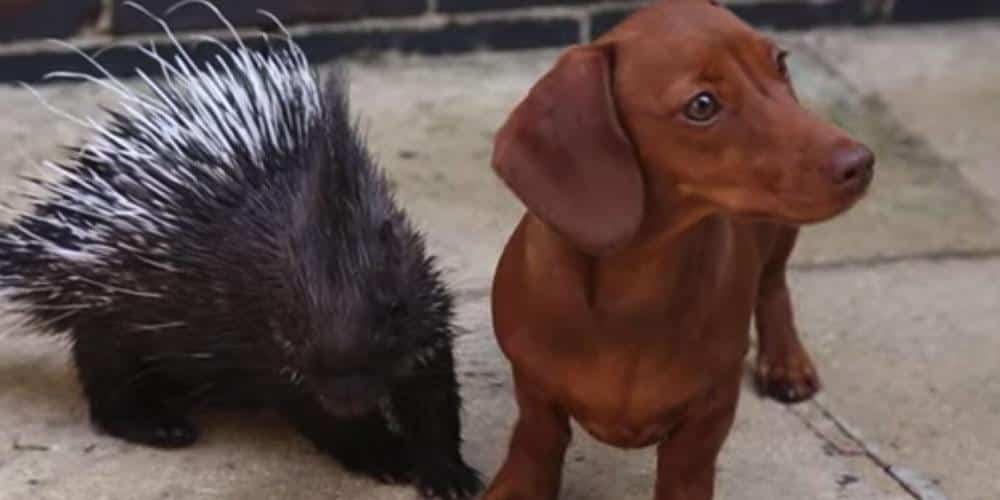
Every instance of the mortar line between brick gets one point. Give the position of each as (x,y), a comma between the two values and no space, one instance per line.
(585,27)
(616,6)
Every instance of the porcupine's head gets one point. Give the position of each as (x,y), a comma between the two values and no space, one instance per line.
(371,307)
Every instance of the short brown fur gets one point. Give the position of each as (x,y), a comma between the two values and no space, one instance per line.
(624,297)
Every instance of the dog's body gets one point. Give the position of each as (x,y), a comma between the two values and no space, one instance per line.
(666,168)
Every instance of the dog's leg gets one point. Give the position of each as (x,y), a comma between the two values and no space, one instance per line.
(533,469)
(685,461)
(784,368)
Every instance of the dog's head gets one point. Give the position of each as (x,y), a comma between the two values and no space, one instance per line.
(682,101)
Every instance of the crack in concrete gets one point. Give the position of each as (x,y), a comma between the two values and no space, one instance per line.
(829,444)
(868,262)
(914,483)
(476,293)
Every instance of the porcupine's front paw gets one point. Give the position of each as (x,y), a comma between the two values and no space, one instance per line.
(160,431)
(448,480)
(383,466)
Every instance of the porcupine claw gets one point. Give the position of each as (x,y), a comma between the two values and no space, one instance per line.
(450,480)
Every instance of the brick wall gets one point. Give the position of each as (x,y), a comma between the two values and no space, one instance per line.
(336,27)
(22,19)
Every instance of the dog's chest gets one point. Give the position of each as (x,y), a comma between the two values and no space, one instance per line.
(624,435)
(634,396)
(627,414)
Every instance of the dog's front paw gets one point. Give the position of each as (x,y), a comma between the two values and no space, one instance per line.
(789,378)
(448,480)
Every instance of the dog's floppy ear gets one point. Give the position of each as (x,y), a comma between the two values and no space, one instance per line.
(565,155)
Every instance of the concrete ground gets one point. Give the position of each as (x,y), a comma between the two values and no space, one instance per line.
(897,300)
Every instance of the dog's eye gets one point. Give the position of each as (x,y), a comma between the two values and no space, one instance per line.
(782,59)
(702,108)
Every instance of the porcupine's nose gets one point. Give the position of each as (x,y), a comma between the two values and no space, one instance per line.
(351,395)
(342,360)
(344,381)
(344,346)
(347,383)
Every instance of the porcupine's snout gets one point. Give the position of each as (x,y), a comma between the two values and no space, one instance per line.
(351,394)
(345,366)
(350,389)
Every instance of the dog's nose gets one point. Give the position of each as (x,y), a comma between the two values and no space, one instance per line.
(853,168)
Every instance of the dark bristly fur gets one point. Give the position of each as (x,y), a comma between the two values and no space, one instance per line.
(195,265)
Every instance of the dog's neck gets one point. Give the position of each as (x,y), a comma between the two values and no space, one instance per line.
(673,245)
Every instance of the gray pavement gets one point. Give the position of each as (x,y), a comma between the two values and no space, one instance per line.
(897,300)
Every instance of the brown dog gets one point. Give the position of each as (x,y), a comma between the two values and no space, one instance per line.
(665,167)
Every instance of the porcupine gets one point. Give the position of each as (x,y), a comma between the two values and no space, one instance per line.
(226,240)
